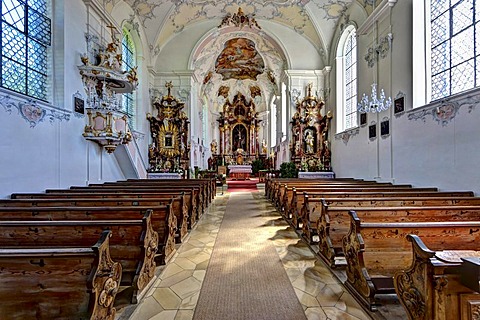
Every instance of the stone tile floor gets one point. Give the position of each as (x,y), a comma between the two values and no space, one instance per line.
(174,293)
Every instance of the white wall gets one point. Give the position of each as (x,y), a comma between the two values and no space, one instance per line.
(419,150)
(53,154)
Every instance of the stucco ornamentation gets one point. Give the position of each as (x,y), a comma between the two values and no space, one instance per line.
(346,135)
(446,110)
(32,111)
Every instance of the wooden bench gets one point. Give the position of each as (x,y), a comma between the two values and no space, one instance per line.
(331,218)
(279,185)
(432,286)
(282,202)
(199,201)
(161,219)
(376,251)
(118,194)
(178,204)
(289,190)
(207,186)
(80,282)
(298,201)
(272,183)
(210,184)
(133,244)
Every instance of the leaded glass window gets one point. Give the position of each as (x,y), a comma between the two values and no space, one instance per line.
(455,46)
(26,36)
(128,62)
(350,79)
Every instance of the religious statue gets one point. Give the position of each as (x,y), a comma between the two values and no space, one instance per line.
(309,141)
(213,146)
(264,147)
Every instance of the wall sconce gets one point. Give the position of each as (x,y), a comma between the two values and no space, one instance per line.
(374,104)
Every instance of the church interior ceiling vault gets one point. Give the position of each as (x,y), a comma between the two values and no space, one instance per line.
(258,60)
(313,19)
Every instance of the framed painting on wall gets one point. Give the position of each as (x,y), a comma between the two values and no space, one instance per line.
(385,128)
(78,103)
(363,119)
(372,131)
(399,103)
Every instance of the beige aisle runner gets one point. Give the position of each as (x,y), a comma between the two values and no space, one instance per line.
(245,278)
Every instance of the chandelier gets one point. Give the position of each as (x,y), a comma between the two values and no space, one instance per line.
(374,104)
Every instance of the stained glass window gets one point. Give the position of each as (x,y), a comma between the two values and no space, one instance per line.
(128,62)
(455,46)
(350,79)
(26,37)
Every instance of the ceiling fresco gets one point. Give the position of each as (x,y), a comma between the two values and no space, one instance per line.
(233,60)
(312,19)
(239,60)
(220,63)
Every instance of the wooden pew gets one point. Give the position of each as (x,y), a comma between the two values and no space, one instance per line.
(200,205)
(375,251)
(161,219)
(289,190)
(116,194)
(278,186)
(298,200)
(271,183)
(59,283)
(133,244)
(432,286)
(177,202)
(210,183)
(332,220)
(207,186)
(346,188)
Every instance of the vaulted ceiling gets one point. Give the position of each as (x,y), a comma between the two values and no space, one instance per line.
(163,19)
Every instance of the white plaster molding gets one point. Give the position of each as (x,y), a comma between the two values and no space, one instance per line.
(379,14)
(32,110)
(346,135)
(445,110)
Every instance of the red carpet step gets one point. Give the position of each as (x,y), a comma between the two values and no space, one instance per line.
(242,185)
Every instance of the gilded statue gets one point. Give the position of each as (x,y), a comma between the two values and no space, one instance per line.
(309,141)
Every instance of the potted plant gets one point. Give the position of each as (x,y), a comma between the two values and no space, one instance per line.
(288,170)
(257,165)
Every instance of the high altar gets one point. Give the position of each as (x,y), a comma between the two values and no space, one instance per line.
(310,146)
(239,127)
(169,151)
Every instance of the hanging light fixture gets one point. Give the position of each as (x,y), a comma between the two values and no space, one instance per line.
(374,104)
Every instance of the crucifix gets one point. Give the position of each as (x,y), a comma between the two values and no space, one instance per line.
(169,87)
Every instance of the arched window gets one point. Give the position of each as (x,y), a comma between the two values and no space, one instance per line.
(25,29)
(128,62)
(446,48)
(347,80)
(455,46)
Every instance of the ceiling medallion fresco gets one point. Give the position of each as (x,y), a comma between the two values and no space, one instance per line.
(222,64)
(239,60)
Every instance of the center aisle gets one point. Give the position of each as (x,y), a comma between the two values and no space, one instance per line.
(240,259)
(245,278)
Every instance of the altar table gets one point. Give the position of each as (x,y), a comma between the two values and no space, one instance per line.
(239,172)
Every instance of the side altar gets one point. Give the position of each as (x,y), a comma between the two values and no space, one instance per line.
(310,148)
(169,151)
